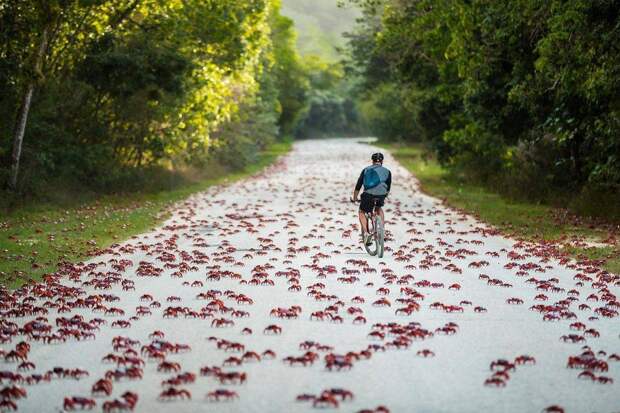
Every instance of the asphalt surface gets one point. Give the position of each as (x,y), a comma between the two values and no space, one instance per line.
(292,226)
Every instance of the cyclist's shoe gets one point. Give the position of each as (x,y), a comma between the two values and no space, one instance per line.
(368,239)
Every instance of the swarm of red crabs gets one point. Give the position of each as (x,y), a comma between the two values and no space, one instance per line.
(502,369)
(232,284)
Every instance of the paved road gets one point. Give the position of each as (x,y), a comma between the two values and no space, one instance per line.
(290,226)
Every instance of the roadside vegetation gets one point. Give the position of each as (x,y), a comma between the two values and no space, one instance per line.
(109,94)
(580,237)
(331,108)
(36,238)
(519,97)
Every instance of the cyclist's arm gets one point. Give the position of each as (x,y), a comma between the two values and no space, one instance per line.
(388,182)
(358,186)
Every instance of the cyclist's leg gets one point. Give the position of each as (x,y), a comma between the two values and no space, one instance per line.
(365,207)
(380,212)
(379,209)
(363,221)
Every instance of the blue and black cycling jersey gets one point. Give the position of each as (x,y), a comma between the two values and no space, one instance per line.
(385,180)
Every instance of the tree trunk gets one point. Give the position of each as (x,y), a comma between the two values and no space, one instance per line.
(18,136)
(22,116)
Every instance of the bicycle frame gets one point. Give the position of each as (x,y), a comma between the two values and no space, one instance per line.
(376,229)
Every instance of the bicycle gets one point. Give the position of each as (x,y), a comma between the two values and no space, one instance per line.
(376,230)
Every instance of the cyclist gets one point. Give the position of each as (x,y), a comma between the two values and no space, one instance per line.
(377,182)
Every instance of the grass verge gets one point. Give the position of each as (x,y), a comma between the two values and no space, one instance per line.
(580,237)
(34,239)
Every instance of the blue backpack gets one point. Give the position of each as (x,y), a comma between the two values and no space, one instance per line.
(371,178)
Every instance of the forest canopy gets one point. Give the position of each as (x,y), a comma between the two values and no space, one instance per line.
(524,94)
(122,85)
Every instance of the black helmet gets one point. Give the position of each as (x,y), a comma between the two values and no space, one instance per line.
(377,157)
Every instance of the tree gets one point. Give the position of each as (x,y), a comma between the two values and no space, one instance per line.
(53,20)
(524,91)
(110,87)
(287,72)
(47,18)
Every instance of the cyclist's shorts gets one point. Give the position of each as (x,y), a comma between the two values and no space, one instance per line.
(367,201)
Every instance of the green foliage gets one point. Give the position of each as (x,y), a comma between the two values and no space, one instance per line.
(129,68)
(128,85)
(385,114)
(328,107)
(330,111)
(521,92)
(288,73)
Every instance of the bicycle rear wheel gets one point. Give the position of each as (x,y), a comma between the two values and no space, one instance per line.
(379,235)
(372,248)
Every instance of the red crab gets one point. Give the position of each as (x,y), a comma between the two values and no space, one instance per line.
(71,403)
(325,400)
(232,377)
(8,405)
(157,335)
(102,387)
(127,404)
(173,393)
(340,393)
(525,359)
(210,371)
(495,382)
(250,355)
(305,397)
(383,302)
(13,393)
(222,393)
(168,366)
(359,320)
(222,322)
(272,329)
(26,366)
